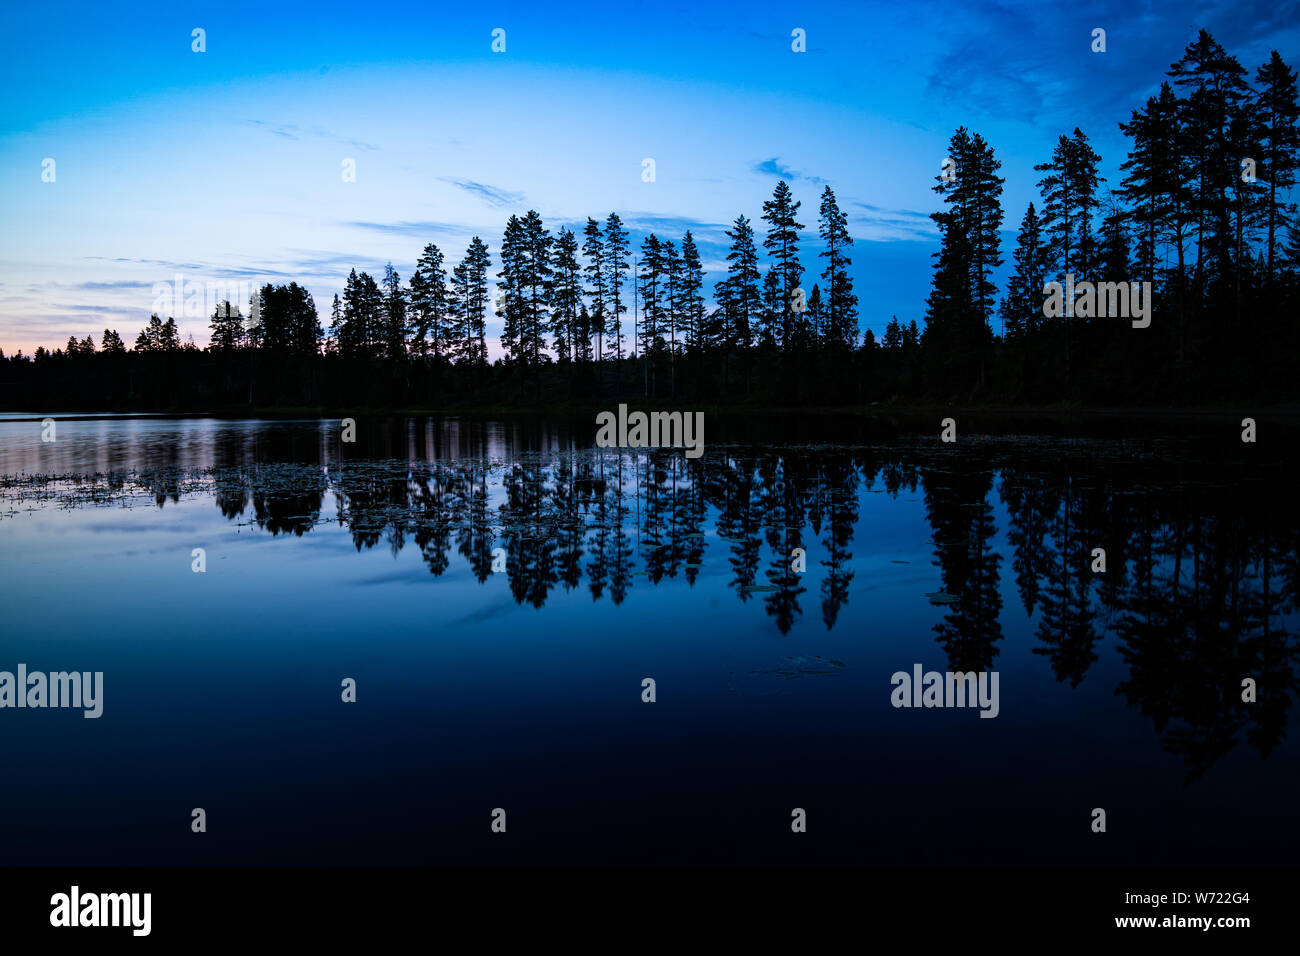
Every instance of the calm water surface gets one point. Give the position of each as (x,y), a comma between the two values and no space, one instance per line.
(521,688)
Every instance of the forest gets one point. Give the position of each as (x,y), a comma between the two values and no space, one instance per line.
(1202,213)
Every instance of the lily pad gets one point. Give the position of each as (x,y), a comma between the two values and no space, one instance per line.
(804,666)
(939,597)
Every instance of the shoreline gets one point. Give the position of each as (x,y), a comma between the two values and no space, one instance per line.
(1286,412)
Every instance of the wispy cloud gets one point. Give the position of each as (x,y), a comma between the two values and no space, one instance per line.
(101,286)
(287,130)
(883,223)
(290,131)
(774,167)
(165,263)
(493,196)
(416,230)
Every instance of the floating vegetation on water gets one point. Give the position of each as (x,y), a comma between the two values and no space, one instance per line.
(803,666)
(939,597)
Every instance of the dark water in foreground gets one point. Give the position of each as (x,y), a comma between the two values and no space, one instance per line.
(522,688)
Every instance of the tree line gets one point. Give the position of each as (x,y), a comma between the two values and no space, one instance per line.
(1202,213)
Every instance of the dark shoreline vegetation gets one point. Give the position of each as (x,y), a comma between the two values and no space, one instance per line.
(1202,214)
(1202,571)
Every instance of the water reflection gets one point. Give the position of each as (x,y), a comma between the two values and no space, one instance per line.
(1199,591)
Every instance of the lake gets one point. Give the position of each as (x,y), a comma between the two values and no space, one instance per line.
(499,592)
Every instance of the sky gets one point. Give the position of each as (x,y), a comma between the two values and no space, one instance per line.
(227,165)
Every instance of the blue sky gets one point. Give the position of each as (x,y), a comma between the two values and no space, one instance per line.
(226,165)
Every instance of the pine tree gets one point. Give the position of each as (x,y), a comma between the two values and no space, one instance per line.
(652,310)
(372,315)
(458,313)
(169,339)
(336,325)
(582,335)
(616,263)
(774,309)
(1022,308)
(959,308)
(111,343)
(537,272)
(1291,254)
(692,298)
(512,286)
(893,335)
(351,335)
(815,323)
(477,263)
(672,307)
(227,328)
(394,315)
(911,337)
(740,291)
(1069,202)
(593,247)
(363,311)
(841,321)
(950,310)
(429,328)
(978,195)
(1217,89)
(1278,115)
(305,332)
(273,330)
(372,300)
(566,296)
(782,242)
(1116,263)
(1156,184)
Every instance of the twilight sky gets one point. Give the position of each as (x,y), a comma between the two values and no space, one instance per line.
(226,165)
